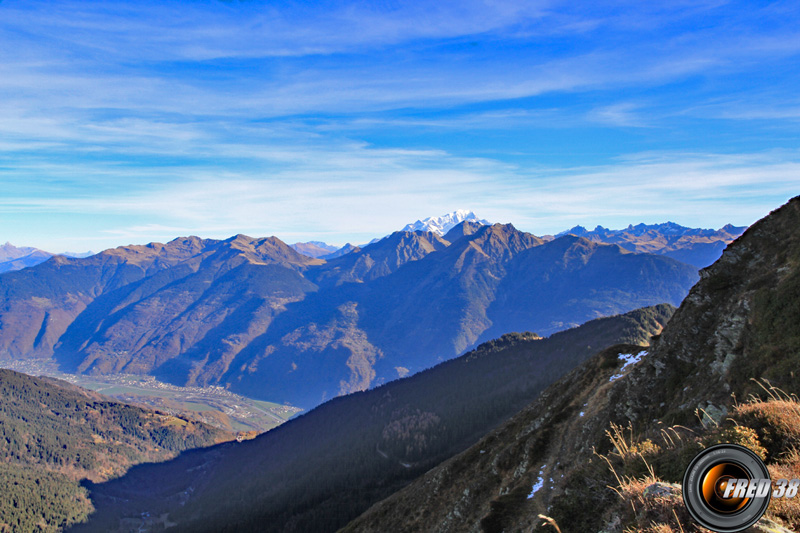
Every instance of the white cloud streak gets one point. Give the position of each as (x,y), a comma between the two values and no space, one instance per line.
(364,192)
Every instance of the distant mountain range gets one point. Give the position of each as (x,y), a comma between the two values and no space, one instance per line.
(254,315)
(344,250)
(9,252)
(439,225)
(14,258)
(694,246)
(314,248)
(698,247)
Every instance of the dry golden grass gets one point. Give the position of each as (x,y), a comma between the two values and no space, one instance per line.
(640,511)
(648,513)
(769,427)
(786,510)
(550,522)
(777,421)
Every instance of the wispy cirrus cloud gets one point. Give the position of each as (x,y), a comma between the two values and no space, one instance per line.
(147,55)
(176,30)
(345,196)
(137,119)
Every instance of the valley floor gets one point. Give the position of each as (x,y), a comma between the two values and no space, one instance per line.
(215,406)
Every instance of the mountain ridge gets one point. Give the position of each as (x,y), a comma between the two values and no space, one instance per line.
(315,249)
(256,315)
(737,327)
(16,258)
(695,246)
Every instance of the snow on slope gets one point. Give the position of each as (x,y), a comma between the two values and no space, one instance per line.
(445,223)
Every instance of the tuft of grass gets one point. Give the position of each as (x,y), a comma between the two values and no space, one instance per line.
(786,510)
(642,463)
(777,423)
(638,460)
(738,434)
(645,512)
(550,522)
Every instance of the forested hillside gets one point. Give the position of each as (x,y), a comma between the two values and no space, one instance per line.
(53,434)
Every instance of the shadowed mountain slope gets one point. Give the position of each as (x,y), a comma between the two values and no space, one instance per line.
(739,323)
(316,472)
(380,258)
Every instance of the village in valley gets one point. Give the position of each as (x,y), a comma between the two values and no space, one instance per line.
(212,405)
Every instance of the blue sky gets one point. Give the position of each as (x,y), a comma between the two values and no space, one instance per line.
(129,122)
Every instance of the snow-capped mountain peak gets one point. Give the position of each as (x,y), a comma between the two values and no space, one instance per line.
(445,223)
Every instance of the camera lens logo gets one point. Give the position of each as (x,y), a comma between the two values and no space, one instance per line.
(727,488)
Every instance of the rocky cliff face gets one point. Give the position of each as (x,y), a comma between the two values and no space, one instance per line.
(739,322)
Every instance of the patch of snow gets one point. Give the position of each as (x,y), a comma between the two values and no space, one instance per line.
(631,359)
(445,223)
(582,413)
(539,482)
(538,485)
(628,359)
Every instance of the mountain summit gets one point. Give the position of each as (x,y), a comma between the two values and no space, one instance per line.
(445,223)
(15,258)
